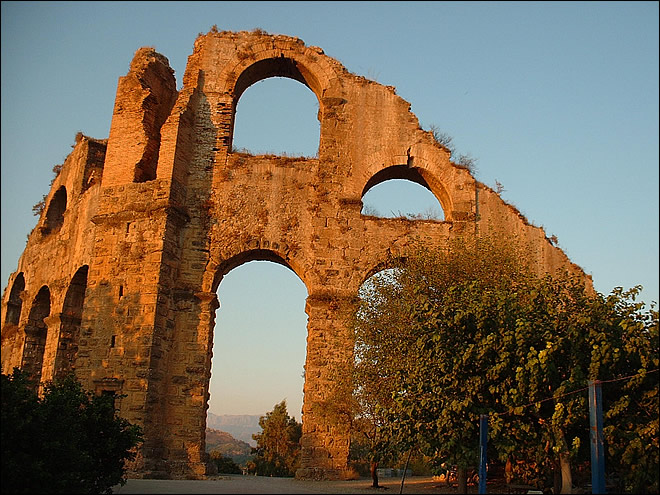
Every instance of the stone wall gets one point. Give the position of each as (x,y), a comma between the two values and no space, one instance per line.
(118,280)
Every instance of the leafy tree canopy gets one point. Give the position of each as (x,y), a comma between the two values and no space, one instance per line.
(447,335)
(67,441)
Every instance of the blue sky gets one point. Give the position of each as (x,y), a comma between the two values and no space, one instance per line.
(557,101)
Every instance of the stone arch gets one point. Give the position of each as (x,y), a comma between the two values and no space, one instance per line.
(275,67)
(386,264)
(55,212)
(258,254)
(286,126)
(255,62)
(412,174)
(265,300)
(15,302)
(266,68)
(35,335)
(70,321)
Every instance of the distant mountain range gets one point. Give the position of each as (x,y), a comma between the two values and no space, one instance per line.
(239,426)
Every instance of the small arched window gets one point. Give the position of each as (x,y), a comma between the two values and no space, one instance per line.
(401,192)
(15,303)
(55,212)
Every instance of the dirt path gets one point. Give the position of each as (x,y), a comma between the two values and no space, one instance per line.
(257,484)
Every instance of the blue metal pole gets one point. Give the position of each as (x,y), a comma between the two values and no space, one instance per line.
(483,442)
(596,429)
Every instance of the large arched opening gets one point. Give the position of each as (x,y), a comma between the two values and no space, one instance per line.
(277,116)
(35,336)
(259,343)
(55,212)
(67,346)
(276,109)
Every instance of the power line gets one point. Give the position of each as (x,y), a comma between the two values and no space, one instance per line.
(555,397)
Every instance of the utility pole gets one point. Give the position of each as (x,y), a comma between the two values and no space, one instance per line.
(483,444)
(596,429)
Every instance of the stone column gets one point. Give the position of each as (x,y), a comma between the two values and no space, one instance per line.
(188,371)
(326,435)
(67,347)
(199,401)
(53,324)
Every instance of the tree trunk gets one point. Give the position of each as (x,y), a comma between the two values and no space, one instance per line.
(405,470)
(508,470)
(563,478)
(566,477)
(556,478)
(373,466)
(461,478)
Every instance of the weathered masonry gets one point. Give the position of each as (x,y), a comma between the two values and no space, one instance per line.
(118,279)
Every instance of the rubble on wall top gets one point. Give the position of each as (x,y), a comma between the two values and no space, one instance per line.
(146,55)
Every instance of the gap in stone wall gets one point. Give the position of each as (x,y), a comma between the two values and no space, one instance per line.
(259,342)
(401,198)
(277,116)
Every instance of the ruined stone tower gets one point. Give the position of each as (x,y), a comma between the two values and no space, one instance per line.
(118,279)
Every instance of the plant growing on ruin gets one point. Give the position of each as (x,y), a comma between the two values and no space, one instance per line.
(442,138)
(38,208)
(467,162)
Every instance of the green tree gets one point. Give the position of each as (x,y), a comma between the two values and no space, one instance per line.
(394,344)
(278,445)
(225,464)
(68,441)
(472,330)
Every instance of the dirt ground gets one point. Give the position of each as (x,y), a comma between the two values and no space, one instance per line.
(259,484)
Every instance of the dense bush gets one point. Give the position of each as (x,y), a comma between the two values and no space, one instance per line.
(225,464)
(67,441)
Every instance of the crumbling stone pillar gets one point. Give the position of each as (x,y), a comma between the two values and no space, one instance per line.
(326,439)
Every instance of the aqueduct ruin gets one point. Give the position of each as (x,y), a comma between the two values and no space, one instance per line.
(118,279)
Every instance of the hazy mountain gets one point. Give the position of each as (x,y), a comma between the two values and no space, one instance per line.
(239,426)
(237,450)
(225,443)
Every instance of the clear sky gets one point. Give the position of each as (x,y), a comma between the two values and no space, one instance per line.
(557,101)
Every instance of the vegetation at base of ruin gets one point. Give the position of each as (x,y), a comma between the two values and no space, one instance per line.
(224,463)
(451,334)
(66,441)
(278,445)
